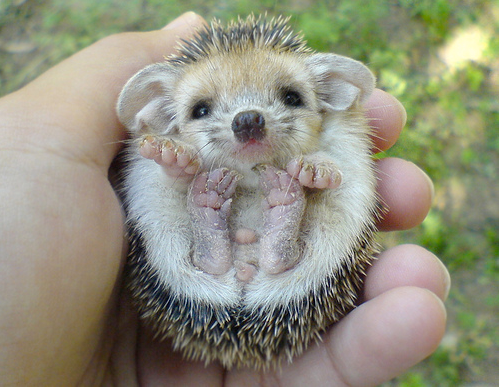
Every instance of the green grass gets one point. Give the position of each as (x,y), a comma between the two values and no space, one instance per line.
(452,130)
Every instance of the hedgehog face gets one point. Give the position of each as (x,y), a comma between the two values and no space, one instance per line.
(267,107)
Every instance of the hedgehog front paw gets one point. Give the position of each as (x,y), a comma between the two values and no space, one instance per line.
(209,206)
(315,172)
(178,160)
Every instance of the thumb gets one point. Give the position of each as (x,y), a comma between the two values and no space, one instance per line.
(72,105)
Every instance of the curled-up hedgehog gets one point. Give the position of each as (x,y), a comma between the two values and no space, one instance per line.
(249,190)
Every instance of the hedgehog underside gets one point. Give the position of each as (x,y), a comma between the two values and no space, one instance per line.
(238,337)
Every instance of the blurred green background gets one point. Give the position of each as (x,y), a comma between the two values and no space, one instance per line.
(439,57)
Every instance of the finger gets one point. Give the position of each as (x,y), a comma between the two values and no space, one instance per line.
(374,343)
(78,96)
(387,117)
(407,265)
(406,191)
(387,335)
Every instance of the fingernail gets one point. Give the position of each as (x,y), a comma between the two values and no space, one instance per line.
(187,19)
(430,184)
(447,280)
(403,112)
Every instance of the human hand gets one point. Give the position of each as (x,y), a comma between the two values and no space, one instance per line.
(64,320)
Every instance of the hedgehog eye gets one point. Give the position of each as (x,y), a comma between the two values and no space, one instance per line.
(200,110)
(292,98)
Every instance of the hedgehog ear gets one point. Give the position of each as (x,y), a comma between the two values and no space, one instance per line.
(144,104)
(341,81)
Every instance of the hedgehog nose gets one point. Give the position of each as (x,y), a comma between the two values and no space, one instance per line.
(248,125)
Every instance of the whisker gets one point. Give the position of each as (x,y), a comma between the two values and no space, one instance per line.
(298,144)
(288,188)
(373,134)
(126,141)
(379,152)
(212,163)
(381,172)
(381,106)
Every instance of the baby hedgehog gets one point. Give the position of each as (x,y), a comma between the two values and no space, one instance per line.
(249,192)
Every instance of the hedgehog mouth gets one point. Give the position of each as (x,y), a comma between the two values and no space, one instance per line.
(254,150)
(252,143)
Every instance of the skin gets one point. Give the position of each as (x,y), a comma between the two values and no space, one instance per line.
(64,320)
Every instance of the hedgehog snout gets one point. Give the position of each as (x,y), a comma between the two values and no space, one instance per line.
(248,125)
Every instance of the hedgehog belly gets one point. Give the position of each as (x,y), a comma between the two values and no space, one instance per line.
(240,336)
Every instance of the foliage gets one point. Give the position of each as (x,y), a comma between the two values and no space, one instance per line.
(453,116)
